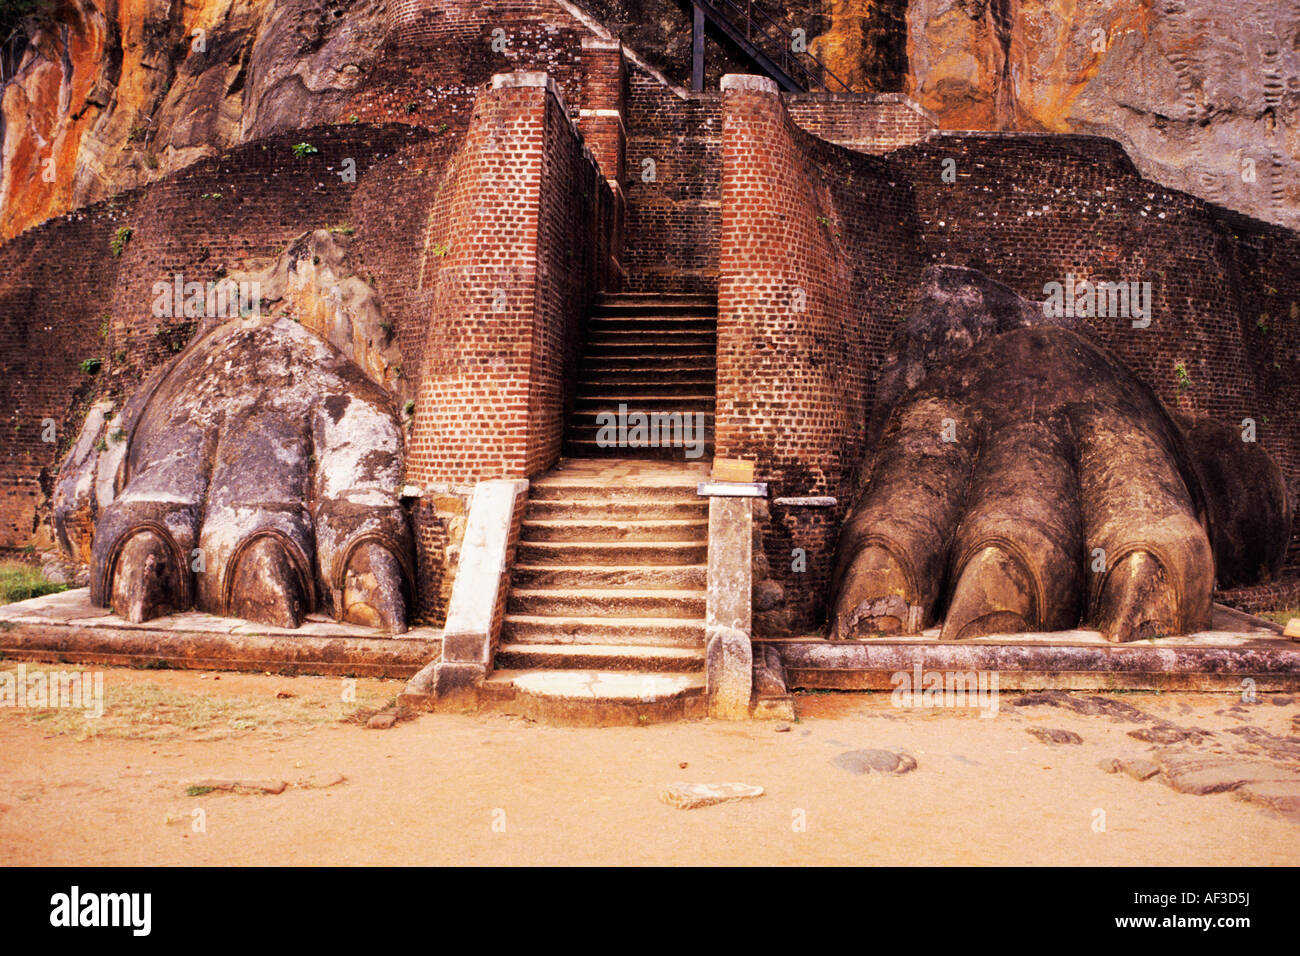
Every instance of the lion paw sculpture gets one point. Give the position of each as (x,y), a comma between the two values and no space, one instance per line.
(256,475)
(1024,480)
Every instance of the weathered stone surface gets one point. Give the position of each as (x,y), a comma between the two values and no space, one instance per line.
(1276,795)
(1052,735)
(1004,441)
(729,665)
(688,796)
(116,95)
(381,721)
(255,467)
(1203,773)
(875,760)
(1140,769)
(1190,88)
(1168,734)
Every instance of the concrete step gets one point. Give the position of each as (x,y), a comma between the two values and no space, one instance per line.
(644,631)
(595,509)
(607,602)
(596,698)
(616,657)
(642,576)
(654,529)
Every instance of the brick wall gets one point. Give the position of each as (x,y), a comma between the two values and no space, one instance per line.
(673,216)
(819,249)
(56,285)
(64,297)
(868,122)
(518,241)
(1030,209)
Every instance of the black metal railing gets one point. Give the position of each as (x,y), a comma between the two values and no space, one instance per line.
(769,42)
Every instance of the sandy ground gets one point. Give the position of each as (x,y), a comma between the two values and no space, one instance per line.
(492,789)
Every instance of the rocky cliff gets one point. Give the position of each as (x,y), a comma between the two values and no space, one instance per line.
(1205,95)
(112,93)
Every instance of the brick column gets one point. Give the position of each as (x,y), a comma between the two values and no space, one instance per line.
(791,390)
(603,126)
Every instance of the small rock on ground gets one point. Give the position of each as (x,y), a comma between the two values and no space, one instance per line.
(381,721)
(687,796)
(880,761)
(257,786)
(1051,735)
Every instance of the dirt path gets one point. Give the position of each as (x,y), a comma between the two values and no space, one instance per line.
(498,790)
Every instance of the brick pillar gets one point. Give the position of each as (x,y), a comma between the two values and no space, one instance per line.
(601,122)
(791,387)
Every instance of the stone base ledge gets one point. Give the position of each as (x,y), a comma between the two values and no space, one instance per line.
(1213,661)
(65,628)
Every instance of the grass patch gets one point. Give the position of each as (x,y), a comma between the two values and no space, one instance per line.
(195,791)
(19,581)
(1281,615)
(137,708)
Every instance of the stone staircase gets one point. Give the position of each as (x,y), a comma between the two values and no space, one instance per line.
(651,353)
(605,619)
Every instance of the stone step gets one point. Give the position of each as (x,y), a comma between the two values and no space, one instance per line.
(648,383)
(654,529)
(565,489)
(596,509)
(596,698)
(607,602)
(668,369)
(649,338)
(687,401)
(620,320)
(644,631)
(612,553)
(582,576)
(583,420)
(650,351)
(579,447)
(612,657)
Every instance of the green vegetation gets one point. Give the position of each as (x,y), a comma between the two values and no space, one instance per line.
(120,238)
(19,581)
(1180,374)
(304,149)
(91,366)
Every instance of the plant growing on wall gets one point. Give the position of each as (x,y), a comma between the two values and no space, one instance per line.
(304,149)
(119,240)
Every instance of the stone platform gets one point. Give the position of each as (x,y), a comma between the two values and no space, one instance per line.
(66,628)
(1241,646)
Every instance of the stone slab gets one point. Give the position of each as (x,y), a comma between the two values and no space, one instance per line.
(66,628)
(1066,660)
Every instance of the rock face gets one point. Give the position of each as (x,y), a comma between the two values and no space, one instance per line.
(110,95)
(256,475)
(1204,95)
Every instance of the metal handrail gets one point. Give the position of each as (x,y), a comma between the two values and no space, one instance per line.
(751,15)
